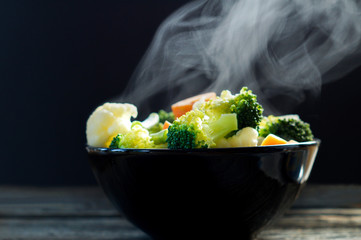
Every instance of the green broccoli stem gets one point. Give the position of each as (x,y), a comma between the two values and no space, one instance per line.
(224,125)
(159,137)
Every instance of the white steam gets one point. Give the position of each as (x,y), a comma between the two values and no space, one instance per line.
(274,47)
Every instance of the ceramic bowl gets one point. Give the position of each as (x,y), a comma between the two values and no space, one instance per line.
(204,193)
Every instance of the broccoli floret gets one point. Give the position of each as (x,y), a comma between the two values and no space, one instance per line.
(214,108)
(138,137)
(165,116)
(183,136)
(196,130)
(249,111)
(288,128)
(116,142)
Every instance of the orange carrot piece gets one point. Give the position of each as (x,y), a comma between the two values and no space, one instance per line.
(273,140)
(184,106)
(166,125)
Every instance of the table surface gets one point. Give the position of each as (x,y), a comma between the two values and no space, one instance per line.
(321,212)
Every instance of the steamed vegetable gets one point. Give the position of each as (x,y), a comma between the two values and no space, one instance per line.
(165,116)
(166,125)
(273,140)
(139,137)
(246,137)
(151,123)
(244,105)
(249,111)
(289,127)
(187,132)
(182,107)
(107,121)
(196,130)
(203,121)
(151,120)
(159,137)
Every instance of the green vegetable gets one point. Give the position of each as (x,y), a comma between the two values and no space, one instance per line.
(138,137)
(196,130)
(156,128)
(209,122)
(165,116)
(183,136)
(159,137)
(117,141)
(151,123)
(151,120)
(249,111)
(288,128)
(224,125)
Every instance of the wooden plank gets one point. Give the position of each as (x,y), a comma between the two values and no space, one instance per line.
(311,234)
(309,224)
(108,228)
(118,228)
(320,218)
(58,201)
(88,201)
(79,228)
(80,201)
(329,196)
(29,213)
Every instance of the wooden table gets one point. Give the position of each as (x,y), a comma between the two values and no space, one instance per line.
(321,212)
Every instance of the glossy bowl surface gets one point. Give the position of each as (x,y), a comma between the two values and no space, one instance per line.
(204,193)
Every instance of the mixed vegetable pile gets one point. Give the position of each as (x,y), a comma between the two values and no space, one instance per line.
(203,121)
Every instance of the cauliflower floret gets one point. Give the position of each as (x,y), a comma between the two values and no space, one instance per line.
(226,95)
(222,143)
(107,121)
(246,137)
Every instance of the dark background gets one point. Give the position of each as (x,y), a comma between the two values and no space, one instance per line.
(59,60)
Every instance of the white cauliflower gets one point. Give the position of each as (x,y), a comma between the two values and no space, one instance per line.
(107,121)
(246,137)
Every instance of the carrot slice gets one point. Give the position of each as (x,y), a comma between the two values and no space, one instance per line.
(166,124)
(184,106)
(273,140)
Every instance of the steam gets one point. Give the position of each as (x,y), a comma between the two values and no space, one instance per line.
(273,47)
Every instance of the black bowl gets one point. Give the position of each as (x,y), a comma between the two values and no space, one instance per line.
(205,193)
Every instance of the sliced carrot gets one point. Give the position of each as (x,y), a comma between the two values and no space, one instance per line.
(184,106)
(166,125)
(273,140)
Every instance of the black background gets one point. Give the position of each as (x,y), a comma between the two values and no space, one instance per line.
(59,60)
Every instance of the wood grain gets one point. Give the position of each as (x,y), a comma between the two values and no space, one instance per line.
(59,201)
(330,196)
(29,213)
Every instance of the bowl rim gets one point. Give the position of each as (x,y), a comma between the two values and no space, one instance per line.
(258,149)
